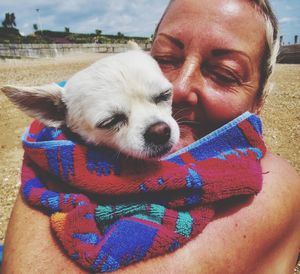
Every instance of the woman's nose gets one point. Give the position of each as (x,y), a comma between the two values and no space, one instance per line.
(188,82)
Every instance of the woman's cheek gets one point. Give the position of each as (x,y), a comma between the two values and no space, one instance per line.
(223,106)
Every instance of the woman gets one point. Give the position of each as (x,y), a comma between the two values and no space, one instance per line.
(218,55)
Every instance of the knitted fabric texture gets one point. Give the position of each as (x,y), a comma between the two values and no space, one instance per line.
(124,211)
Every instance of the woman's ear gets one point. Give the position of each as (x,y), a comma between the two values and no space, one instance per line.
(41,102)
(258,105)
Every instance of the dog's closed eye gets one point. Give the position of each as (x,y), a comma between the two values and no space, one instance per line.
(113,122)
(164,96)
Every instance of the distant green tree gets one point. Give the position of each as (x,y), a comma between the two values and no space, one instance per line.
(67,30)
(9,20)
(98,31)
(120,35)
(35,27)
(13,20)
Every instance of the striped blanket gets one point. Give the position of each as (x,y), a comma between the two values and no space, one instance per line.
(121,210)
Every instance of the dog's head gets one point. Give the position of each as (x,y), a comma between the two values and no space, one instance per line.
(122,101)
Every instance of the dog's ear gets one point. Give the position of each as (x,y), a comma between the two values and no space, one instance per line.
(42,102)
(133,45)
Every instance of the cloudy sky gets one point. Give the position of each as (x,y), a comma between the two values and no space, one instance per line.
(131,17)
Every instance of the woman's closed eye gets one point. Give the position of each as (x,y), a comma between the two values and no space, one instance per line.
(223,75)
(167,62)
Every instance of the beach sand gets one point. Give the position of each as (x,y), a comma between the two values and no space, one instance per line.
(281,116)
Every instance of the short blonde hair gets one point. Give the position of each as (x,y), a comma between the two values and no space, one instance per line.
(271,47)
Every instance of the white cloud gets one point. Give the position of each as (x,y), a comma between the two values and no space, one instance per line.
(287,20)
(131,17)
(135,17)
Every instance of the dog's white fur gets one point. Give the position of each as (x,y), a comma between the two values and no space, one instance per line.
(128,84)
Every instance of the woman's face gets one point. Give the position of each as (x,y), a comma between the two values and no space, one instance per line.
(211,51)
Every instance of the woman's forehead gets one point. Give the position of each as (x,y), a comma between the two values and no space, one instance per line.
(218,7)
(231,23)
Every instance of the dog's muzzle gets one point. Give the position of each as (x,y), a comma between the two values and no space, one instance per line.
(157,139)
(158,134)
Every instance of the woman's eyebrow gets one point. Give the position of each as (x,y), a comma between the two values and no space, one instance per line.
(224,52)
(174,40)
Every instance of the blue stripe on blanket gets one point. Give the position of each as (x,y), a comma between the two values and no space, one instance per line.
(208,142)
(1,253)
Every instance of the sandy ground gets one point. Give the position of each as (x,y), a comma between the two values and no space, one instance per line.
(281,116)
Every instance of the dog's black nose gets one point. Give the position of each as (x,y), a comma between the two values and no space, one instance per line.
(158,134)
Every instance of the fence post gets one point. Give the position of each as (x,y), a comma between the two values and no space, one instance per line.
(281,40)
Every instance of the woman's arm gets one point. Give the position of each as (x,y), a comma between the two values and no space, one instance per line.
(30,246)
(259,237)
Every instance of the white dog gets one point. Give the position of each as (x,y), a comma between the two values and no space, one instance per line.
(122,101)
